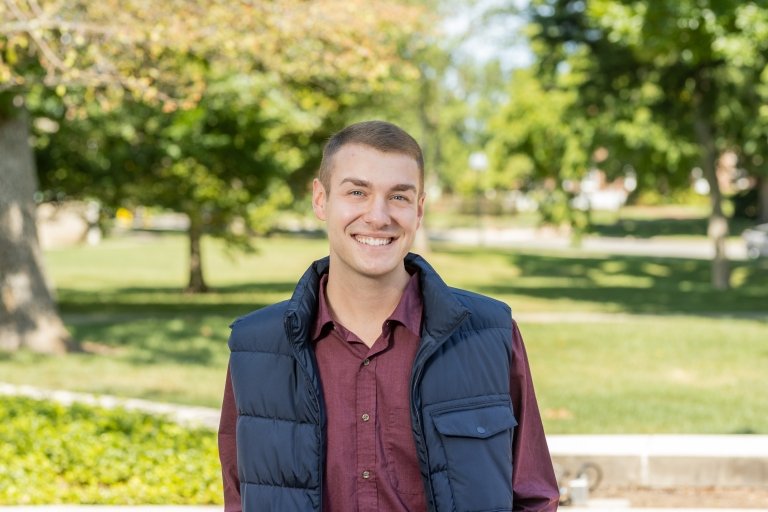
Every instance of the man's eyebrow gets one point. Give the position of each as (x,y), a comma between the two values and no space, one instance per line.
(357,182)
(400,187)
(404,187)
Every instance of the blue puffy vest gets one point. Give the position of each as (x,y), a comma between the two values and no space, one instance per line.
(461,413)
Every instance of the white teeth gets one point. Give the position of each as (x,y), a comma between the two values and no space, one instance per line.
(369,240)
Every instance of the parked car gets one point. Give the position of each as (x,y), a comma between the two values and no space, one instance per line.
(756,239)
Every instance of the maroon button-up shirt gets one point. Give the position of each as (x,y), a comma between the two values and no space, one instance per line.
(371,462)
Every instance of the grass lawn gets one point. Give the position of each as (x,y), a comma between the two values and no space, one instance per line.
(665,374)
(690,363)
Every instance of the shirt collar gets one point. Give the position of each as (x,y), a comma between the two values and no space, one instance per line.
(323,321)
(407,312)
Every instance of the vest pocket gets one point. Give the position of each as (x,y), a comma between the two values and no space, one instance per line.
(476,440)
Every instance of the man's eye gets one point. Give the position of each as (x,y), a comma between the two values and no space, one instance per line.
(356,192)
(400,197)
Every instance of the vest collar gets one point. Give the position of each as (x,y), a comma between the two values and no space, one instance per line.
(442,311)
(302,307)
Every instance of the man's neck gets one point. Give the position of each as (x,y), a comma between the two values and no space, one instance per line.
(362,304)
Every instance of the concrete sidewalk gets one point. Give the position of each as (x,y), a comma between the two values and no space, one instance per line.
(182,414)
(659,461)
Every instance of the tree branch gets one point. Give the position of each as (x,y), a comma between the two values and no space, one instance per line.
(48,53)
(29,25)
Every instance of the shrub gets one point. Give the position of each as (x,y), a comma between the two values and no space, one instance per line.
(51,453)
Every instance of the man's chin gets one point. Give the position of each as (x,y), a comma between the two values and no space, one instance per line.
(379,270)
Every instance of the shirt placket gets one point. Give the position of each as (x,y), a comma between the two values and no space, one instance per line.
(365,408)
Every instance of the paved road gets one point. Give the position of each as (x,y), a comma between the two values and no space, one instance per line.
(530,238)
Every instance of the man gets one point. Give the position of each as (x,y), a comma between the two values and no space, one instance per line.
(376,387)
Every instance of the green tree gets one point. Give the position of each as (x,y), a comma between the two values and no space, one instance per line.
(227,159)
(532,144)
(668,85)
(116,55)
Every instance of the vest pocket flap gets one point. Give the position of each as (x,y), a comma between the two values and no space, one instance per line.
(479,423)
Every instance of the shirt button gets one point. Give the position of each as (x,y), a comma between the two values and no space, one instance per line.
(366,362)
(366,474)
(481,430)
(365,417)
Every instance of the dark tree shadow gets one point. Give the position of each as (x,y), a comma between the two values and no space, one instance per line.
(665,285)
(642,228)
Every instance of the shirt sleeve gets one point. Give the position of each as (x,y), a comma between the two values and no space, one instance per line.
(533,479)
(228,449)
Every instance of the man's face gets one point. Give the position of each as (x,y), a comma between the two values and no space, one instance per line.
(372,210)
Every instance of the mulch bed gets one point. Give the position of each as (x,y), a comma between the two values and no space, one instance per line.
(687,497)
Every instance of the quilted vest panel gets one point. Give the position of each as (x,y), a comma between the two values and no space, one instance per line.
(462,405)
(279,427)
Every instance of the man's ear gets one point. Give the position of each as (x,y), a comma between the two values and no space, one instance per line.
(319,198)
(420,206)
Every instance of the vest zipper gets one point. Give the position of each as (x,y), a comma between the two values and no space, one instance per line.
(421,448)
(289,329)
(430,345)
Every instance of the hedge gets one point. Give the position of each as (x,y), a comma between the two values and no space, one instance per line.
(52,453)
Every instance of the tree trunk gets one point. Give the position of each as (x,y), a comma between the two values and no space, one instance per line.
(196,281)
(28,315)
(762,198)
(718,223)
(421,242)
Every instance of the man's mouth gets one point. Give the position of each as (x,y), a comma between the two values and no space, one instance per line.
(373,241)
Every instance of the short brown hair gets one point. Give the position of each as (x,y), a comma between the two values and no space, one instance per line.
(379,135)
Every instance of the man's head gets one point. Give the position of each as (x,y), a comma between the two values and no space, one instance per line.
(379,135)
(370,194)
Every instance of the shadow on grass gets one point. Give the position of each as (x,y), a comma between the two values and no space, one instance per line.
(143,340)
(146,341)
(146,326)
(234,300)
(647,228)
(634,284)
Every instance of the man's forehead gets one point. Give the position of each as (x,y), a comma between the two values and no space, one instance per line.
(361,162)
(353,149)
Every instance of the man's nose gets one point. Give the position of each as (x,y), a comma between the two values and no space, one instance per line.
(377,213)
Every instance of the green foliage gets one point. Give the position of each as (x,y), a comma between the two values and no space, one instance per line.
(532,124)
(213,110)
(219,161)
(648,72)
(164,54)
(52,453)
(662,87)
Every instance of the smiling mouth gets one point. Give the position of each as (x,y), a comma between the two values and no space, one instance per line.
(373,241)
